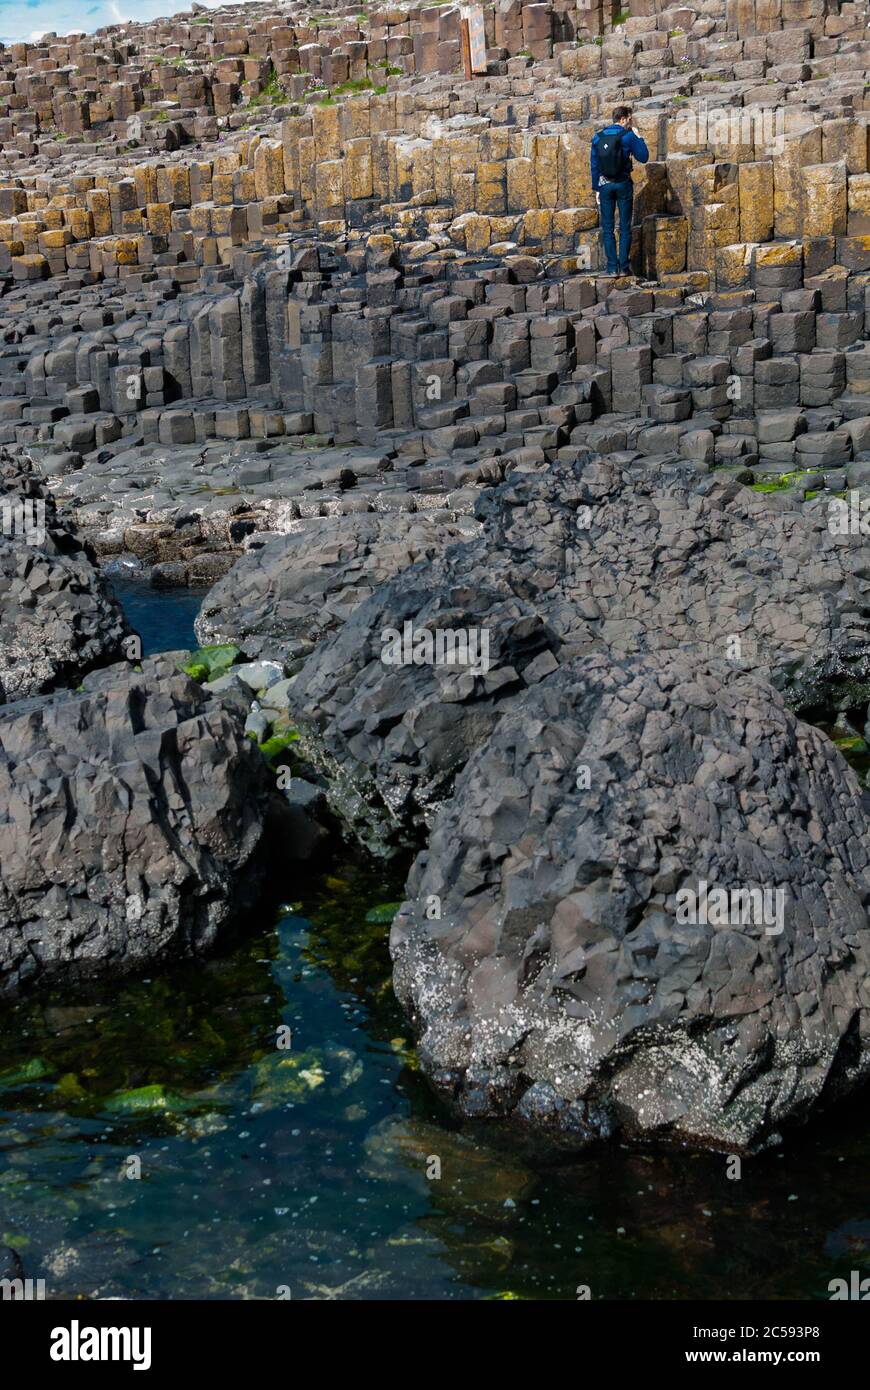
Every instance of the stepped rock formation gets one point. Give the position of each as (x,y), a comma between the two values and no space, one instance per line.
(233,239)
(559,981)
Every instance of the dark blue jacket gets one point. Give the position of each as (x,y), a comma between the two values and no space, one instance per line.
(632,145)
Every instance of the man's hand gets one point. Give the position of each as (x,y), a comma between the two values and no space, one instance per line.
(597,199)
(635,131)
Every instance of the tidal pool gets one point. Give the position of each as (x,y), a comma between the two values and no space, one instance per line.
(163,617)
(268,1172)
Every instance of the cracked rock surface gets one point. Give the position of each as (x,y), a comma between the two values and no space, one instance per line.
(284,598)
(559,984)
(58,617)
(636,561)
(133,825)
(583,556)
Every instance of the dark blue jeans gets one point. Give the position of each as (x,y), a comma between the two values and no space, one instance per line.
(615,195)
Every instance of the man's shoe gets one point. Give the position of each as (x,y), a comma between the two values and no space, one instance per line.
(608,274)
(626,270)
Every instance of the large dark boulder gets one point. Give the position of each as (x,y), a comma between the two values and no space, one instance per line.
(546,953)
(582,556)
(281,599)
(58,617)
(391,738)
(133,826)
(630,560)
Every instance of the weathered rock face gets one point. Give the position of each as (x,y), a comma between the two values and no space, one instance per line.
(58,618)
(583,556)
(133,827)
(390,737)
(569,983)
(281,600)
(633,561)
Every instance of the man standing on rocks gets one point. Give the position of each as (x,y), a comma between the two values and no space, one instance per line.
(612,151)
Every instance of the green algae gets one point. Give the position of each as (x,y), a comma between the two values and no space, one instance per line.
(856,751)
(844,737)
(208,663)
(25,1074)
(384,912)
(782,482)
(272,747)
(144,1099)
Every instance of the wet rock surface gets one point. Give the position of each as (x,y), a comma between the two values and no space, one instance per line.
(544,952)
(134,826)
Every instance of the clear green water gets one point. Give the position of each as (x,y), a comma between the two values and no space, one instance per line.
(305,1169)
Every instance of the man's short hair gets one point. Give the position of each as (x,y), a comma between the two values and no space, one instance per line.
(620,112)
